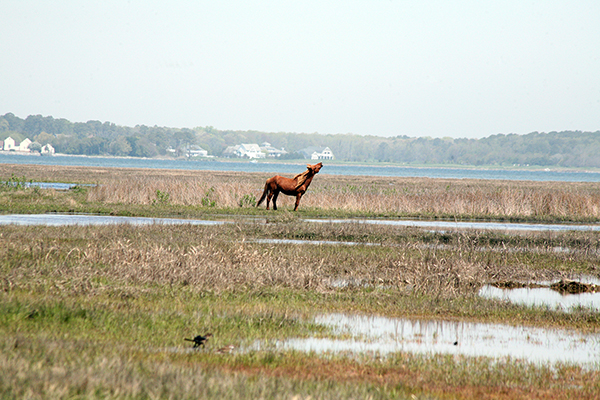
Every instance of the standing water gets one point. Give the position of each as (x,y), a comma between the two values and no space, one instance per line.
(381,335)
(292,168)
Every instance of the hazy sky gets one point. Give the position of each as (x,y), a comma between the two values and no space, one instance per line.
(372,67)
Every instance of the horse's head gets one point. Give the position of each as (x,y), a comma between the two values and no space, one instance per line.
(314,168)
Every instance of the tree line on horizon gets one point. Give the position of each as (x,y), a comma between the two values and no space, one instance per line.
(556,149)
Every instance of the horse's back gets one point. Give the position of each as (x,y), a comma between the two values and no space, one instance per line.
(281,183)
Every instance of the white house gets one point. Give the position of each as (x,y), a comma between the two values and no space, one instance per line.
(244,150)
(9,144)
(196,151)
(251,150)
(325,154)
(24,145)
(318,153)
(272,151)
(47,150)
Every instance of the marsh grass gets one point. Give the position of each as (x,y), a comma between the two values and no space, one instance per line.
(14,183)
(227,259)
(101,373)
(101,311)
(401,196)
(194,192)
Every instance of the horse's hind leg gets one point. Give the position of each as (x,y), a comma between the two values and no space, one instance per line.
(275,194)
(269,196)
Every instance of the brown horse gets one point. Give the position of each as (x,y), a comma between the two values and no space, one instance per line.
(292,187)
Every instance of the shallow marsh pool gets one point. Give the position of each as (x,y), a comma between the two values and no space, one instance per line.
(86,219)
(383,336)
(546,296)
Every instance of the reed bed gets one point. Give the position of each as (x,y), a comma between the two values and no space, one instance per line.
(101,311)
(444,197)
(389,196)
(62,369)
(484,200)
(49,370)
(402,197)
(228,259)
(190,257)
(350,195)
(189,191)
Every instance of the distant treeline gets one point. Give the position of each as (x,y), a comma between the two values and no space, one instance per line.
(562,149)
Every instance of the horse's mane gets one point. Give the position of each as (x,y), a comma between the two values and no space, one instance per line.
(301,178)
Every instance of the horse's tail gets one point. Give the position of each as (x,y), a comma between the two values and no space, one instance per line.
(264,195)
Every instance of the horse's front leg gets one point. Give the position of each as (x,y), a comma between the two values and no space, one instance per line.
(298,197)
(275,194)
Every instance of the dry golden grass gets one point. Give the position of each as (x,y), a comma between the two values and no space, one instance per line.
(353,194)
(374,195)
(228,258)
(203,259)
(96,311)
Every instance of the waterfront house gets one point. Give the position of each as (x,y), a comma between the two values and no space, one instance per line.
(196,151)
(244,150)
(272,151)
(317,153)
(9,144)
(24,146)
(47,150)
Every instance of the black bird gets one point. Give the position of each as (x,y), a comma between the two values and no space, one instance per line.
(199,340)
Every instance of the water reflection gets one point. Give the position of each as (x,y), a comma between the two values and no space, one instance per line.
(49,185)
(542,296)
(83,219)
(77,219)
(467,225)
(373,334)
